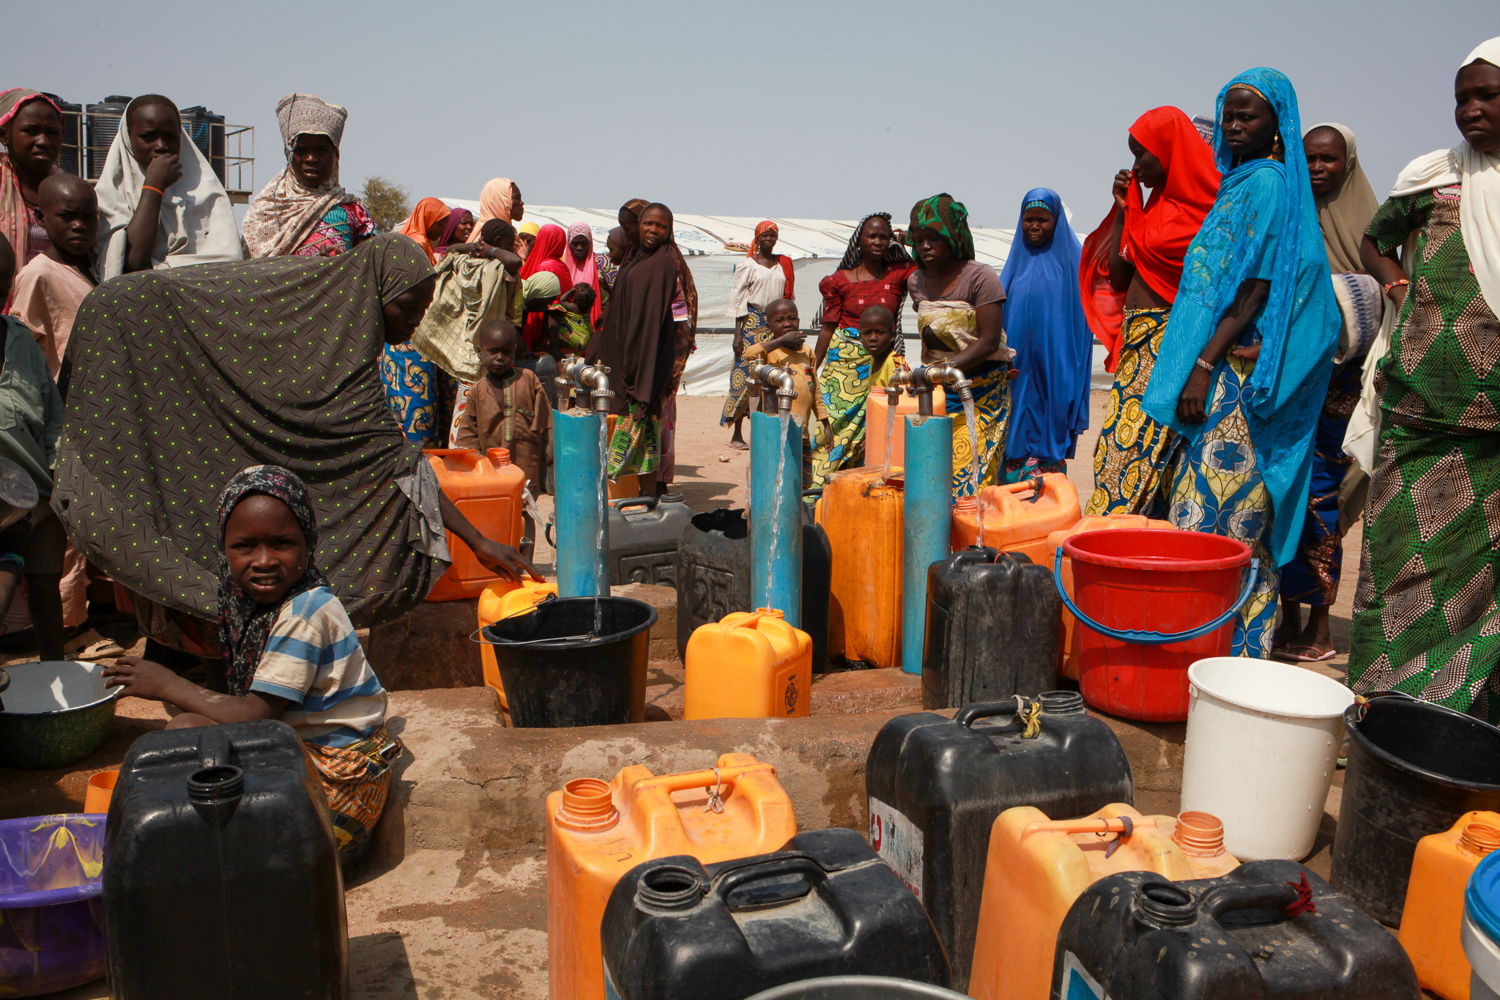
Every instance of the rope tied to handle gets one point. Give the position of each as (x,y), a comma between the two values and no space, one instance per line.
(1121,837)
(1304,902)
(715,794)
(1032,717)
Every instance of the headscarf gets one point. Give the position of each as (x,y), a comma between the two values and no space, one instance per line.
(184,376)
(495,200)
(789,276)
(529,229)
(1157,231)
(1261,201)
(949,219)
(854,253)
(196,224)
(245,623)
(450,231)
(428,213)
(1479,203)
(1044,325)
(640,343)
(586,273)
(15,217)
(546,256)
(1346,214)
(285,211)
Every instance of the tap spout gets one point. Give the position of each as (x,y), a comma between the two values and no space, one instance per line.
(943,373)
(785,386)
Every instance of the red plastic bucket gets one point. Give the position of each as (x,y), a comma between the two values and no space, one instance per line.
(1152,603)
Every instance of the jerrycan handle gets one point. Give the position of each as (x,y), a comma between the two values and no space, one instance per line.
(751,871)
(1038,487)
(647,502)
(1279,896)
(1123,825)
(468,458)
(709,778)
(970,714)
(213,747)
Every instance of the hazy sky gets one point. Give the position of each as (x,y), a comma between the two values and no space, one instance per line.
(812,109)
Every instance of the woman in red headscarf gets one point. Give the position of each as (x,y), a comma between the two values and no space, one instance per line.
(546,255)
(762,277)
(1129,273)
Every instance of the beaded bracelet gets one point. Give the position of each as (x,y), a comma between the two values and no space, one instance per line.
(1203,364)
(1395,284)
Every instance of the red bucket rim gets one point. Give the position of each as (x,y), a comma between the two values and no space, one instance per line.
(1236,553)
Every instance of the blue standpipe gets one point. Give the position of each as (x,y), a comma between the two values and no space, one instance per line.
(582,539)
(776,516)
(928,520)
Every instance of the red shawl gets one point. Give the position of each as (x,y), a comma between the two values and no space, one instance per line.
(546,255)
(782,259)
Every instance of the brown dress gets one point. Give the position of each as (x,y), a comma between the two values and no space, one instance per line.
(514,414)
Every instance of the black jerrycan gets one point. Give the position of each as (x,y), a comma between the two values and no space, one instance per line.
(994,628)
(713,577)
(643,535)
(221,875)
(935,786)
(825,906)
(1267,929)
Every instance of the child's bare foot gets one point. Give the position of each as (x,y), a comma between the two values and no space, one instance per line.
(738,444)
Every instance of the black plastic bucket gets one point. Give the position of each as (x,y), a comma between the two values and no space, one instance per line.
(1414,769)
(578,661)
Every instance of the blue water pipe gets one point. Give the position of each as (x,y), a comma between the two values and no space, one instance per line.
(581,491)
(776,514)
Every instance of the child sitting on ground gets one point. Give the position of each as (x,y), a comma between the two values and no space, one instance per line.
(290,652)
(51,287)
(785,348)
(508,408)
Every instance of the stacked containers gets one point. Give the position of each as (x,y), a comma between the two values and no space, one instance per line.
(597,831)
(487,490)
(1018,517)
(1433,917)
(864,516)
(751,665)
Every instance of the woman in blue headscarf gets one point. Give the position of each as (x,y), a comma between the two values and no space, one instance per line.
(1046,328)
(1245,363)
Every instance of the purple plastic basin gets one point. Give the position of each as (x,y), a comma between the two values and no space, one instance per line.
(51,916)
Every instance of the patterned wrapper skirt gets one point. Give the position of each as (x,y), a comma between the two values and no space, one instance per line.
(635,447)
(1219,489)
(356,780)
(1426,620)
(990,386)
(1134,451)
(419,394)
(848,377)
(754,331)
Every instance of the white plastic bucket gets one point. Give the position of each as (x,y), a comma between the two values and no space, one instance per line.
(1483,953)
(1262,742)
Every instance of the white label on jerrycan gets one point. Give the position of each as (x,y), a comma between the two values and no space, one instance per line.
(1078,984)
(898,841)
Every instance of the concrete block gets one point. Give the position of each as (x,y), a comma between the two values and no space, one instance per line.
(428,647)
(664,632)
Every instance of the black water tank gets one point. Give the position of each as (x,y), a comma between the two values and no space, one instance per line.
(206,129)
(103,123)
(70,157)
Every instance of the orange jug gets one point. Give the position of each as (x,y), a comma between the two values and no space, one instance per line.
(597,831)
(487,490)
(1432,920)
(877,419)
(863,517)
(1036,869)
(503,599)
(1018,517)
(1093,522)
(749,665)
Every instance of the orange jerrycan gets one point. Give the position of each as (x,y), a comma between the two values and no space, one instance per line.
(1036,869)
(1018,517)
(748,665)
(863,517)
(597,831)
(487,489)
(1433,918)
(1093,522)
(877,420)
(503,599)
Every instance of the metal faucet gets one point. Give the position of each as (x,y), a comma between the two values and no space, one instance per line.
(576,374)
(900,379)
(941,373)
(772,377)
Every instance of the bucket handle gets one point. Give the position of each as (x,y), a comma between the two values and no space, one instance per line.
(1145,637)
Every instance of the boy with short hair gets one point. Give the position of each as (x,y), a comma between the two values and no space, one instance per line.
(50,289)
(786,348)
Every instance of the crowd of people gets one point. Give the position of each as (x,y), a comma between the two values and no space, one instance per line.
(204,406)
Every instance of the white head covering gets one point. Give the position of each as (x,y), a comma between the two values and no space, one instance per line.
(309,114)
(197,220)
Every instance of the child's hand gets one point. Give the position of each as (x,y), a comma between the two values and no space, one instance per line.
(141,678)
(164,171)
(1247,353)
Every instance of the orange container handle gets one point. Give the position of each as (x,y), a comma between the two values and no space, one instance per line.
(468,458)
(1124,825)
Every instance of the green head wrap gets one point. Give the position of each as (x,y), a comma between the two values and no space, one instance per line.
(949,219)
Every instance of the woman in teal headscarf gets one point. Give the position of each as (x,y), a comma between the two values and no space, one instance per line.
(1244,366)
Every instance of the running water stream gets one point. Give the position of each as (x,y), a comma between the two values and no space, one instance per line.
(602,559)
(890,438)
(974,465)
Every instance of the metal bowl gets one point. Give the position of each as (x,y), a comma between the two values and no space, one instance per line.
(54,713)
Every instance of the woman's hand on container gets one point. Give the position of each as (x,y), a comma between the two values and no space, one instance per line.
(1191,404)
(141,678)
(505,560)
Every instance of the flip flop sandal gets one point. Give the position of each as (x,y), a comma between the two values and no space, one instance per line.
(1305,658)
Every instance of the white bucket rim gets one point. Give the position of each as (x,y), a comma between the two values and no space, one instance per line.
(1312,683)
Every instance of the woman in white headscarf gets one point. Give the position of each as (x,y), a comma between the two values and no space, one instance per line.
(1427,611)
(303,210)
(158,207)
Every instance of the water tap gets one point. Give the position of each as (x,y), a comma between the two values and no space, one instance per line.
(576,374)
(943,373)
(900,379)
(772,377)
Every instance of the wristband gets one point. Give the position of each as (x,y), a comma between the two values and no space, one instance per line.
(1399,282)
(152,187)
(1203,364)
(13,557)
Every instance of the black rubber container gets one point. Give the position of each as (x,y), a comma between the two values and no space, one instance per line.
(1245,936)
(994,628)
(825,906)
(578,661)
(935,786)
(1414,769)
(713,577)
(643,535)
(221,876)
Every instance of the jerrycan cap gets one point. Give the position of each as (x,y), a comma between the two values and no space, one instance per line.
(500,456)
(587,805)
(770,613)
(1061,702)
(1164,904)
(1480,838)
(1199,834)
(216,784)
(670,888)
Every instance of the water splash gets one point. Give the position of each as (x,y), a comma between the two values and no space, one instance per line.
(890,439)
(979,505)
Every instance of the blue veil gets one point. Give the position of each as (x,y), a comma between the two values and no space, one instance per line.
(1045,326)
(1263,225)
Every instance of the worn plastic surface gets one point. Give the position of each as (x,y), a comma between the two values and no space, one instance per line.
(1414,769)
(935,786)
(1018,517)
(1433,916)
(1035,871)
(1152,580)
(643,534)
(1251,934)
(1091,522)
(503,599)
(877,409)
(597,831)
(675,930)
(219,855)
(992,629)
(51,916)
(487,489)
(575,661)
(863,516)
(751,665)
(713,577)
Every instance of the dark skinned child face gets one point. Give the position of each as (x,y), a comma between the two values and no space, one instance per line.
(581,246)
(265,548)
(1327,159)
(783,323)
(498,346)
(34,137)
(654,228)
(70,214)
(314,159)
(932,249)
(154,130)
(404,313)
(1148,169)
(1037,225)
(1248,123)
(1476,111)
(877,337)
